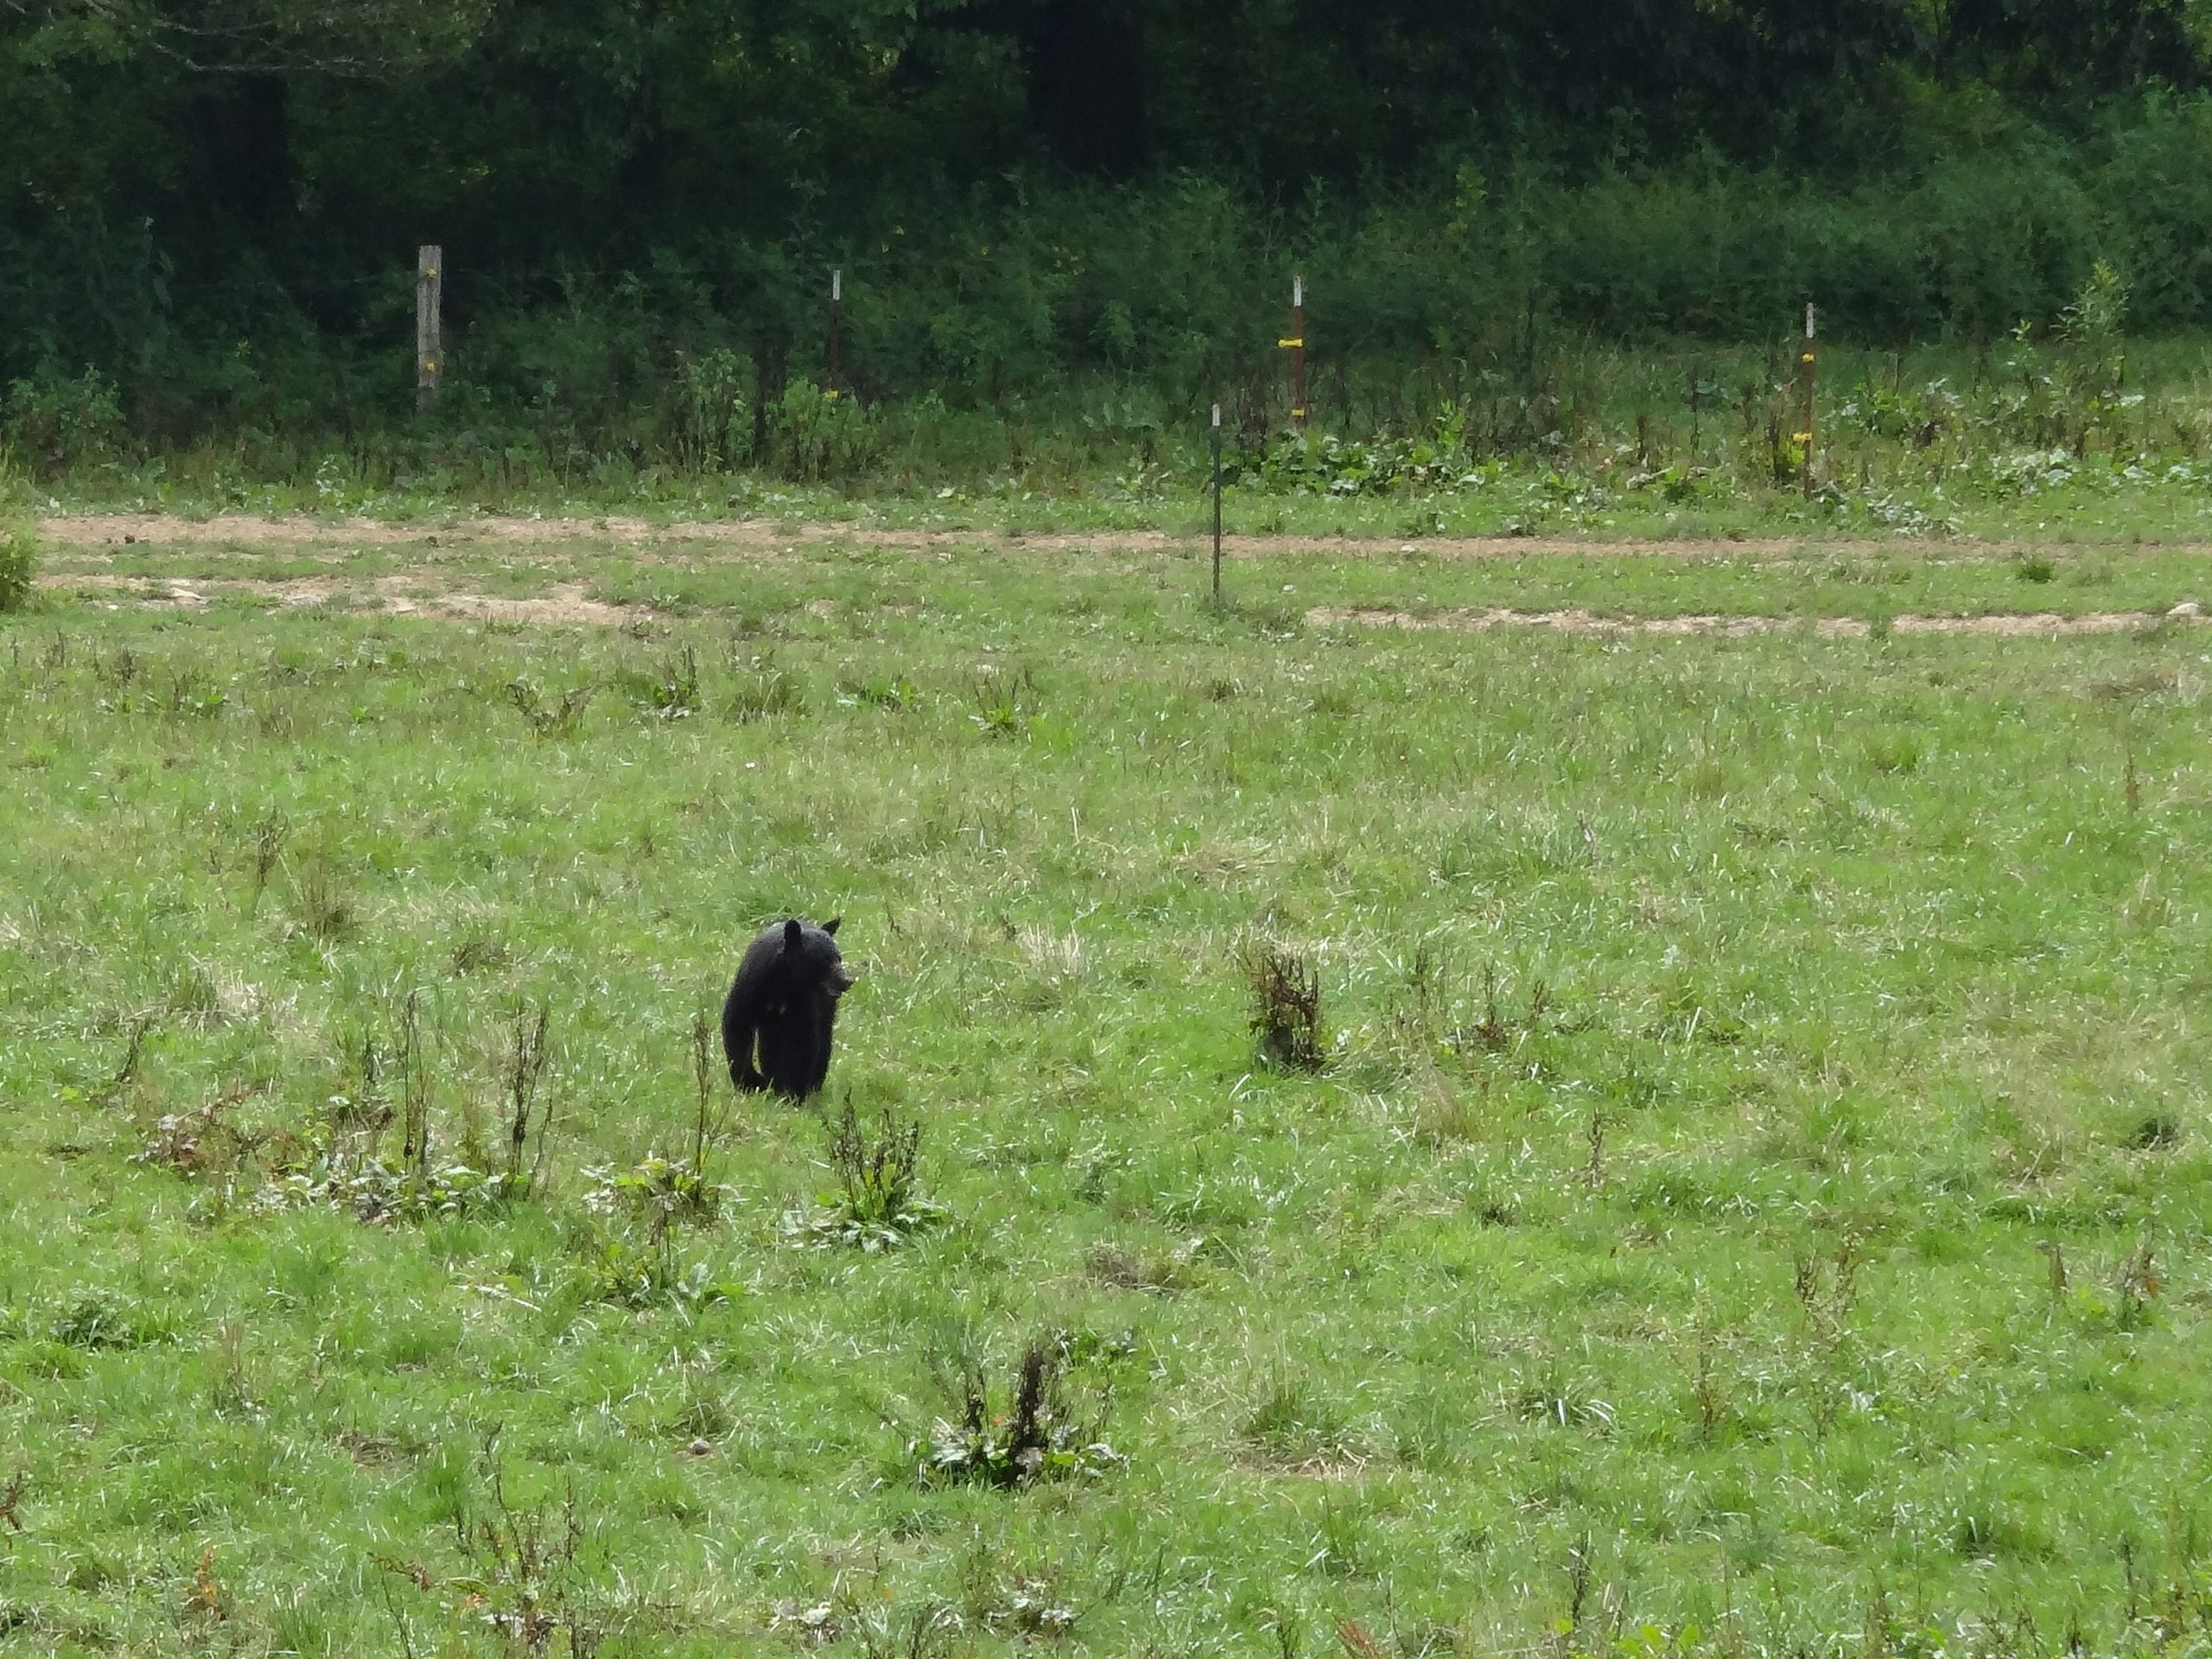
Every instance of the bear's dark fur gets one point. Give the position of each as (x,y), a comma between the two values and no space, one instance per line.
(784,998)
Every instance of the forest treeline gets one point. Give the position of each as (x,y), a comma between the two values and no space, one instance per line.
(209,208)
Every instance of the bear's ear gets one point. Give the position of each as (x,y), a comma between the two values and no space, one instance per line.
(830,926)
(792,934)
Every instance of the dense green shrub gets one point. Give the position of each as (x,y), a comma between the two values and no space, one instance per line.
(18,561)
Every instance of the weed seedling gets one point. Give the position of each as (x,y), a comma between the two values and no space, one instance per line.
(413,1092)
(672,694)
(526,1070)
(2054,1259)
(560,718)
(2138,1286)
(134,1051)
(268,851)
(325,909)
(763,689)
(1006,704)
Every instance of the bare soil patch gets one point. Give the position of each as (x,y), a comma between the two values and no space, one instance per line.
(563,604)
(568,604)
(760,537)
(2013,624)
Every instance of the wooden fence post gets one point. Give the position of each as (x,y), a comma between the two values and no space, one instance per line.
(1806,365)
(837,327)
(1296,345)
(430,357)
(1216,504)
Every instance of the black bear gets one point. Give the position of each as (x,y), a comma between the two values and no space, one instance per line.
(785,997)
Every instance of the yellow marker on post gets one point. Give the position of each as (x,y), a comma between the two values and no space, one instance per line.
(1805,437)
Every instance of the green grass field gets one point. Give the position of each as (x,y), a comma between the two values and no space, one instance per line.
(1756,1198)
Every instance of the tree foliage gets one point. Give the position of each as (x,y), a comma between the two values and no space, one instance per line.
(214,202)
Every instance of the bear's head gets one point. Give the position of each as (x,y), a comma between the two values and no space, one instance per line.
(811,958)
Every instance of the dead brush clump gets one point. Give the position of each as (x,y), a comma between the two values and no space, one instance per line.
(1286,992)
(1447,1114)
(480,953)
(522,1073)
(1155,1271)
(528,1572)
(348,1168)
(1494,1030)
(201,1142)
(1414,1012)
(269,834)
(321,909)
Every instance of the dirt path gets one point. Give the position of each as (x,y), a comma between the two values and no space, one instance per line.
(568,604)
(767,538)
(2006,624)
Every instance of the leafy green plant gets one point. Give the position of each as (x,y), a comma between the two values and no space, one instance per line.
(56,422)
(2095,319)
(18,561)
(893,691)
(1327,464)
(822,436)
(761,687)
(618,1270)
(669,1190)
(878,1203)
(669,693)
(1007,702)
(714,412)
(1039,1435)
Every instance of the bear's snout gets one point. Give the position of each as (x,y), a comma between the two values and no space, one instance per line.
(842,979)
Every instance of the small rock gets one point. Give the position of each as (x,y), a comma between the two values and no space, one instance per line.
(2187,608)
(701,1447)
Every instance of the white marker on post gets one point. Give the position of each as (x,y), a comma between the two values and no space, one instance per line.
(837,284)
